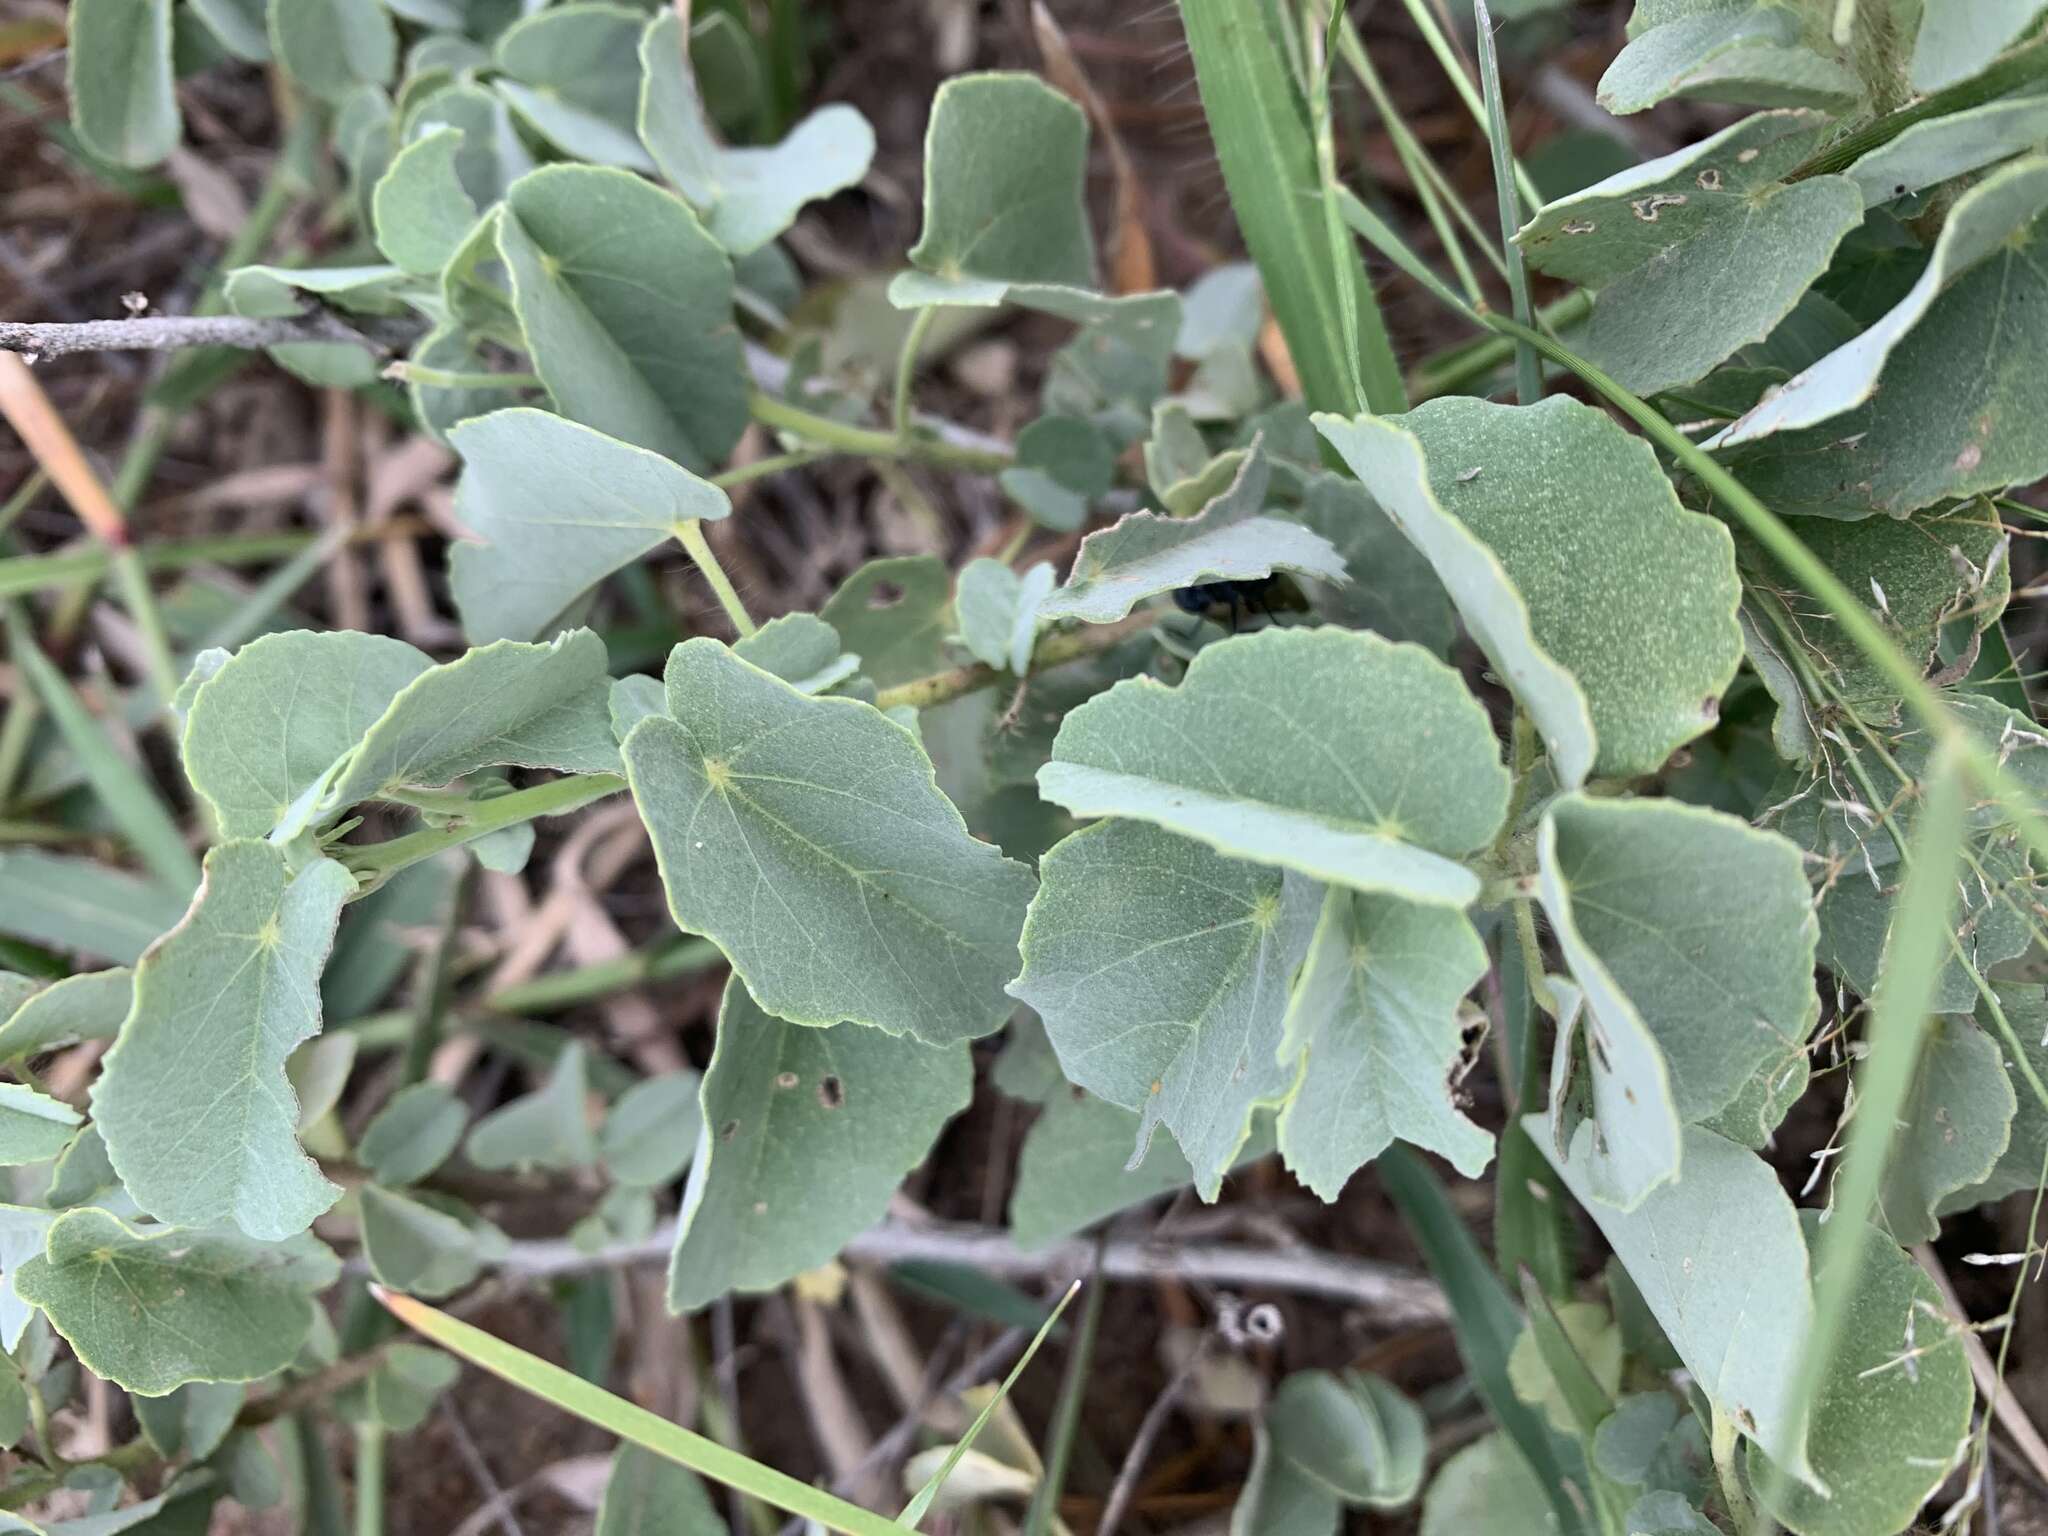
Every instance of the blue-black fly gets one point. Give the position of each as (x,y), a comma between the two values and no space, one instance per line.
(1235,601)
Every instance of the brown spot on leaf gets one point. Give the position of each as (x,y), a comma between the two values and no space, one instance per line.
(831,1091)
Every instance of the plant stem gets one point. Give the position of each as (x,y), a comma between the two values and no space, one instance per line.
(437,983)
(824,432)
(1725,1444)
(1528,373)
(1055,650)
(1066,1420)
(906,369)
(21,575)
(132,582)
(690,534)
(444,378)
(1454,70)
(1449,372)
(772,464)
(369,1480)
(373,863)
(2023,66)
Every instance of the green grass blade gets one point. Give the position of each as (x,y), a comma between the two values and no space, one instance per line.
(1042,1515)
(914,1510)
(1528,372)
(149,827)
(1485,1322)
(1382,237)
(1454,71)
(1263,138)
(1899,1015)
(629,1421)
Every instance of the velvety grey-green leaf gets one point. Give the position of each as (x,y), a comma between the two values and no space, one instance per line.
(649,1495)
(1719,1257)
(1929,404)
(1393,464)
(88,1006)
(81,904)
(192,1100)
(2019,1165)
(33,1126)
(572,72)
(650,1133)
(1705,925)
(1074,1168)
(895,615)
(1956,42)
(1953,1130)
(548,1128)
(124,102)
(413,1134)
(318,1072)
(746,196)
(491,156)
(1884,1432)
(1005,162)
(1391,588)
(1699,253)
(533,706)
(558,507)
(153,1311)
(1626,1093)
(808,839)
(271,723)
(1735,51)
(1161,970)
(22,1232)
(332,46)
(1376,1009)
(626,305)
(193,1420)
(415,1248)
(1942,148)
(992,610)
(402,1390)
(1627,589)
(1983,220)
(1352,1433)
(1146,554)
(1391,769)
(800,648)
(806,1134)
(237,25)
(422,212)
(1487,1489)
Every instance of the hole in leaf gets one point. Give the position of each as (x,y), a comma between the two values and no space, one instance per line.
(884,594)
(727,1131)
(831,1091)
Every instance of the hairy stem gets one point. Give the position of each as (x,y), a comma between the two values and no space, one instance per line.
(690,534)
(824,432)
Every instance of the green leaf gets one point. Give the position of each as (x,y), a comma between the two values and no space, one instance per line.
(124,103)
(806,1134)
(1376,1009)
(318,1071)
(193,1420)
(1209,945)
(746,197)
(533,706)
(22,1234)
(85,1175)
(1887,423)
(895,615)
(1391,588)
(1392,463)
(1562,495)
(1956,1125)
(413,1247)
(808,839)
(1955,44)
(33,1126)
(422,212)
(1635,1145)
(1667,1514)
(649,1495)
(491,155)
(1577,1398)
(89,1006)
(415,1132)
(651,1133)
(1654,1443)
(400,1393)
(1893,1412)
(1353,1434)
(558,508)
(572,73)
(1941,148)
(1063,464)
(1352,800)
(1006,157)
(1074,1167)
(332,46)
(1146,554)
(998,612)
(1737,51)
(82,905)
(150,1312)
(370,952)
(1487,1489)
(1699,253)
(548,1128)
(278,715)
(1703,923)
(800,648)
(192,1100)
(626,306)
(237,25)
(1719,1258)
(2019,1165)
